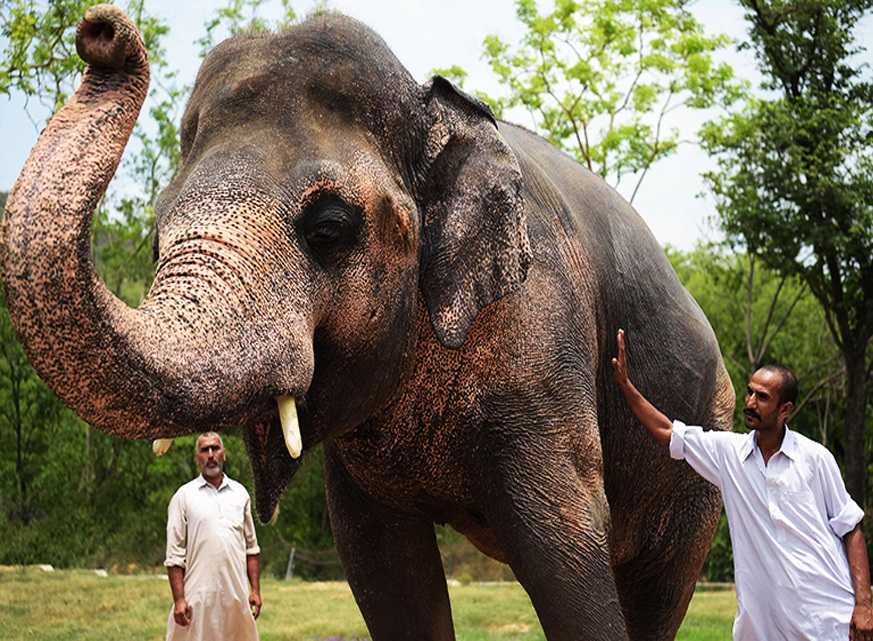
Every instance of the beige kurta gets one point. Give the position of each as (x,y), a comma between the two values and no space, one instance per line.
(209,534)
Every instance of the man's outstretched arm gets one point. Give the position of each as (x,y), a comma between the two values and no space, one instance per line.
(652,419)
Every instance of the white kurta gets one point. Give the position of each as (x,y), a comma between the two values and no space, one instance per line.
(786,519)
(209,533)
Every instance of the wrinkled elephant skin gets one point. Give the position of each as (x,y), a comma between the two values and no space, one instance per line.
(437,292)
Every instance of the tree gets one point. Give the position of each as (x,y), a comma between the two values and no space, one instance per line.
(602,79)
(39,54)
(794,183)
(761,316)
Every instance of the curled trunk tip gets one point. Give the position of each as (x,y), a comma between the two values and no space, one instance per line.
(107,38)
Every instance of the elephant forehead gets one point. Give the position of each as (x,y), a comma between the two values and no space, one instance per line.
(326,64)
(305,111)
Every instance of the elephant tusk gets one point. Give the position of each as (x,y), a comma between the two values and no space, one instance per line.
(290,425)
(275,518)
(161,445)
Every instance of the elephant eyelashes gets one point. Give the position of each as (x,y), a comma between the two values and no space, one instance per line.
(330,225)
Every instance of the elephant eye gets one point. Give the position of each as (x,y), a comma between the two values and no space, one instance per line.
(329,225)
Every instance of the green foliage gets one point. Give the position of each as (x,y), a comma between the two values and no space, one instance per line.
(761,317)
(122,248)
(601,79)
(241,16)
(39,52)
(719,565)
(795,180)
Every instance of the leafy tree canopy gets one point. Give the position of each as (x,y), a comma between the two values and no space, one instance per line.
(605,79)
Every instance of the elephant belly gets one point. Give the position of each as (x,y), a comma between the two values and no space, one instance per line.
(479,534)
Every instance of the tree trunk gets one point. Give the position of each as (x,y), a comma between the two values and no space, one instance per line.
(855,424)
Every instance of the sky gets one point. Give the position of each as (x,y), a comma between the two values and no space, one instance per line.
(429,34)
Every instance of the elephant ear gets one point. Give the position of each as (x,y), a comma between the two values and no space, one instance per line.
(476,246)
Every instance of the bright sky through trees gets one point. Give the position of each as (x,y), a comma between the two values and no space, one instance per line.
(426,35)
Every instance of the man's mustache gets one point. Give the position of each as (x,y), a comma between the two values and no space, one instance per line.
(750,412)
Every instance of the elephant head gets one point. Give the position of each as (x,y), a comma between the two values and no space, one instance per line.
(328,210)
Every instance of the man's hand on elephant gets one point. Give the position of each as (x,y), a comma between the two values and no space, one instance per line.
(619,364)
(182,612)
(652,419)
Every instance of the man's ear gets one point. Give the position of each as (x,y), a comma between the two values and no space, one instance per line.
(785,410)
(476,246)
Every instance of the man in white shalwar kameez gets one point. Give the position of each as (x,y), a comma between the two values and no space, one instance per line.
(212,554)
(800,559)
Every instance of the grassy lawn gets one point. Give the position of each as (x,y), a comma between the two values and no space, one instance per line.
(77,605)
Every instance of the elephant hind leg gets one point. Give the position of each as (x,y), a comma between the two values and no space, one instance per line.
(653,607)
(656,586)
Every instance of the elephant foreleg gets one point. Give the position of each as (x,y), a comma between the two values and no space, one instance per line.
(392,563)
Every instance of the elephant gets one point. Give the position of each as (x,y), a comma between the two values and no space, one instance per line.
(351,259)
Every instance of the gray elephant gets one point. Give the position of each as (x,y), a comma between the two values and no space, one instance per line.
(349,258)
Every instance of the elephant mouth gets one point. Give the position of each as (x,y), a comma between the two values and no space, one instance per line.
(272,440)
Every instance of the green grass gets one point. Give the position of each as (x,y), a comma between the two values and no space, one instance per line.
(80,606)
(710,616)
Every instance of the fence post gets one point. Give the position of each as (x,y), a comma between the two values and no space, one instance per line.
(289,571)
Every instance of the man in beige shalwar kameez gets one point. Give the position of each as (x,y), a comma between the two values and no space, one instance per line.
(212,554)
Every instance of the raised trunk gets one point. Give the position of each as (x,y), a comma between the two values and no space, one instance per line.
(194,356)
(47,269)
(114,366)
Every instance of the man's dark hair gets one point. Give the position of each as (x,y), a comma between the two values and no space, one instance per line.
(788,388)
(197,442)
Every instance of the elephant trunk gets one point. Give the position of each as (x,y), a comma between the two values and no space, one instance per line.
(106,361)
(52,289)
